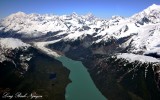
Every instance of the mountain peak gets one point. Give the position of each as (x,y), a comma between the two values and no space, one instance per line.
(74,14)
(18,14)
(116,16)
(151,8)
(152,14)
(89,14)
(154,6)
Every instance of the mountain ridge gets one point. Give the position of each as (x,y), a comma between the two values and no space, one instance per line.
(142,28)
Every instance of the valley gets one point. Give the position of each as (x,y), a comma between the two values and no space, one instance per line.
(119,57)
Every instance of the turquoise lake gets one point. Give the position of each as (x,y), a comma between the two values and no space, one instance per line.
(82,86)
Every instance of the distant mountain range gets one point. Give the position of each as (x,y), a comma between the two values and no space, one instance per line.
(143,28)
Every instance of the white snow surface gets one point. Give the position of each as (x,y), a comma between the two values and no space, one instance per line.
(147,39)
(2,57)
(12,43)
(152,13)
(42,46)
(134,57)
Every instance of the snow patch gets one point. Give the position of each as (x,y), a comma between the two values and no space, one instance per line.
(134,57)
(2,57)
(12,43)
(42,46)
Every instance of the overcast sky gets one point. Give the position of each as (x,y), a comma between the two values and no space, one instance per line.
(99,8)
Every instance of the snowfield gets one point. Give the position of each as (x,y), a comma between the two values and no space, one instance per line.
(12,43)
(134,57)
(42,46)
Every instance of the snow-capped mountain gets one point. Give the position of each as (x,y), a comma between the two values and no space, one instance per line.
(35,25)
(143,28)
(8,45)
(149,15)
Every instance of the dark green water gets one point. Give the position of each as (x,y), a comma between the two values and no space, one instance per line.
(82,87)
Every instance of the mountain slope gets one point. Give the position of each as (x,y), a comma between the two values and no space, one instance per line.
(22,67)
